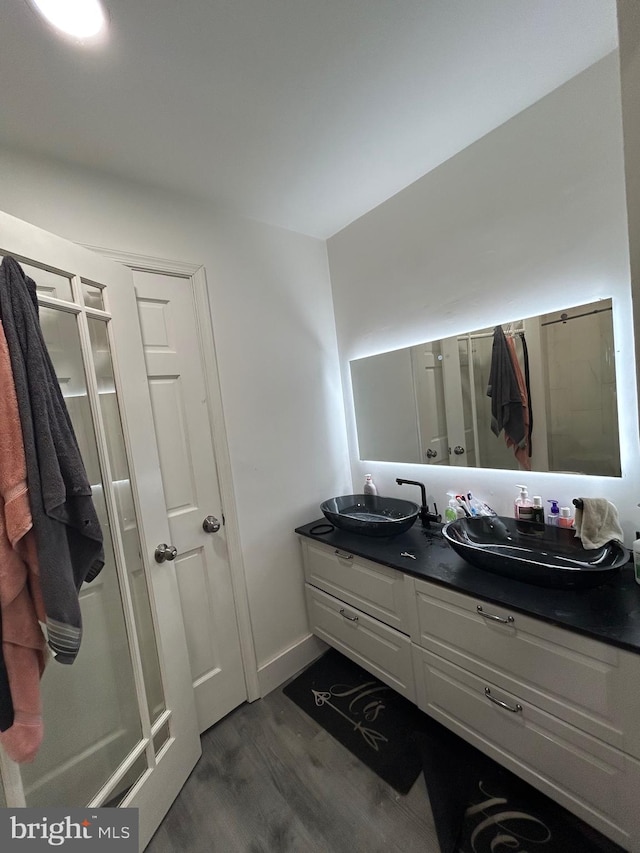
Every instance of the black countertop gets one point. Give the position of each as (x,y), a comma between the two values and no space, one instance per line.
(610,613)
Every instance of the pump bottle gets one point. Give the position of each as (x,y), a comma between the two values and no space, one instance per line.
(523,506)
(369,486)
(451,512)
(553,514)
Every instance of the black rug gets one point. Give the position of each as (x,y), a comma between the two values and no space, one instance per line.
(370,719)
(480,807)
(477,805)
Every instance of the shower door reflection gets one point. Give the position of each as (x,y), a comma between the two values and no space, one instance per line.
(91,715)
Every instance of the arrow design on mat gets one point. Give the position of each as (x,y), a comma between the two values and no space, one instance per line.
(372,737)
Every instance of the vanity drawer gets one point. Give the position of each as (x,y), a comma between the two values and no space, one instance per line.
(588,777)
(374,589)
(381,650)
(587,683)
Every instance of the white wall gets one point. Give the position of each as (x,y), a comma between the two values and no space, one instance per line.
(529,219)
(276,348)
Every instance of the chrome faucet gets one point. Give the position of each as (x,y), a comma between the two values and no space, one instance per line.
(426,517)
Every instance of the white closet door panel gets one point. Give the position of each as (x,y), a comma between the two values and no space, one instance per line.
(179,394)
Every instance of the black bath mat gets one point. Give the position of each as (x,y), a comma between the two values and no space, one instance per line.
(479,806)
(370,719)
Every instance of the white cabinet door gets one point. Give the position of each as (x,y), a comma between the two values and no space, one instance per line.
(179,397)
(120,724)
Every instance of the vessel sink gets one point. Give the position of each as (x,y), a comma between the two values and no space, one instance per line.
(537,554)
(370,515)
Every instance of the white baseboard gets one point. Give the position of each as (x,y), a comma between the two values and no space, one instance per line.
(286,664)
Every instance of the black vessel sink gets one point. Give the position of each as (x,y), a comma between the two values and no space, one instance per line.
(371,515)
(541,555)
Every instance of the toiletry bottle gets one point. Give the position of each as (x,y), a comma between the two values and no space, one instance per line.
(537,514)
(369,486)
(451,512)
(553,514)
(523,507)
(636,560)
(564,519)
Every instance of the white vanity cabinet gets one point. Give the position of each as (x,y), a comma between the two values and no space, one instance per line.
(362,609)
(559,709)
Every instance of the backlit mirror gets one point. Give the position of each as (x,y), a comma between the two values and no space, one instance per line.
(429,403)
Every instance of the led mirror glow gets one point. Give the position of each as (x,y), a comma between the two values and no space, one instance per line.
(428,403)
(77,18)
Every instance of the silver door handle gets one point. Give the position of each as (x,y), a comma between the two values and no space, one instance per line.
(165,552)
(493,618)
(517,709)
(343,556)
(458,450)
(211,524)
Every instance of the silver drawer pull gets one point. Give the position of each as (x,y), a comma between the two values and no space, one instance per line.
(504,705)
(493,618)
(344,556)
(346,616)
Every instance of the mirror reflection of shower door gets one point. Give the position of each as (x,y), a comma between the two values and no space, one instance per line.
(469,413)
(426,365)
(442,375)
(457,402)
(120,725)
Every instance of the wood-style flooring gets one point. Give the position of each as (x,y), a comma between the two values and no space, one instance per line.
(270,780)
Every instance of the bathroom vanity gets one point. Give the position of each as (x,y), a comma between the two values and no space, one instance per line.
(546,682)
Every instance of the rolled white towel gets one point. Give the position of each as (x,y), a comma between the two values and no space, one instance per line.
(597,523)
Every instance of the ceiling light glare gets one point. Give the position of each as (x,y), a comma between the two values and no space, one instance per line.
(82,19)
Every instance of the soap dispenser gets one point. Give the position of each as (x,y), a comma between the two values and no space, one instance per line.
(553,514)
(451,512)
(523,507)
(369,486)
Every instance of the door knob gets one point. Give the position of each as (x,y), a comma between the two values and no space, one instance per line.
(165,552)
(211,524)
(458,450)
(431,453)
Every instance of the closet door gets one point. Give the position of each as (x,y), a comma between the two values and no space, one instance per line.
(120,723)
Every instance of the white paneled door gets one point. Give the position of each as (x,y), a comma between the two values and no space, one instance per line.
(120,723)
(173,340)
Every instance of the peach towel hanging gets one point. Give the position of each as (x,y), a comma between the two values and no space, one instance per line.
(520,452)
(23,642)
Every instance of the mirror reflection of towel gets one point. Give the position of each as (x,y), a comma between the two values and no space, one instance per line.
(521,451)
(506,402)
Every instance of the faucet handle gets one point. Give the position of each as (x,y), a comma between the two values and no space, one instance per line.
(435,511)
(427,517)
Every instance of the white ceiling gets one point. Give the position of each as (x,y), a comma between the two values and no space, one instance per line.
(302,113)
